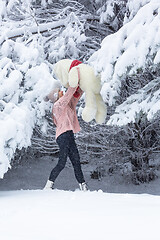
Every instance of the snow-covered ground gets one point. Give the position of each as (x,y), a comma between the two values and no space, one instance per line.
(67,215)
(108,211)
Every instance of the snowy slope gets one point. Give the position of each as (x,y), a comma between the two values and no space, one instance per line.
(62,215)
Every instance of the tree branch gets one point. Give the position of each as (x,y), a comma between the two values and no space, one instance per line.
(35,29)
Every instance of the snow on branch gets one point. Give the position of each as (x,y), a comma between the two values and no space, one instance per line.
(129,50)
(34,29)
(22,107)
(133,7)
(146,100)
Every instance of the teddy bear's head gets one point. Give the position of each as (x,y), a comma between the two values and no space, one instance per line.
(61,70)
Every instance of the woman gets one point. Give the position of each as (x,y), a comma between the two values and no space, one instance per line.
(66,121)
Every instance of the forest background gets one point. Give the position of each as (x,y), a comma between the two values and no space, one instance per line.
(120,39)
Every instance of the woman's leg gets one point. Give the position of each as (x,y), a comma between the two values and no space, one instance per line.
(75,159)
(63,143)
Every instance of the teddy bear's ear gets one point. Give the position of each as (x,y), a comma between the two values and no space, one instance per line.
(73,77)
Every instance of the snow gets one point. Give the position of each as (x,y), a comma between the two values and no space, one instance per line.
(133,6)
(106,12)
(130,49)
(24,29)
(144,100)
(18,117)
(78,215)
(68,40)
(26,75)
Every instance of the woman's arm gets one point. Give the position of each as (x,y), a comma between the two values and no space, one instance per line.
(52,96)
(74,99)
(63,101)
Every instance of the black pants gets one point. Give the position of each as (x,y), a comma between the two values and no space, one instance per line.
(67,148)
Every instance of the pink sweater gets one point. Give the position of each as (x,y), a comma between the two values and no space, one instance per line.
(64,112)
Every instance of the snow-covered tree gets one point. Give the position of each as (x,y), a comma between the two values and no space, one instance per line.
(34,34)
(128,61)
(132,50)
(112,13)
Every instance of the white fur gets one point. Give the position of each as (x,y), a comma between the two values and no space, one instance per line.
(95,108)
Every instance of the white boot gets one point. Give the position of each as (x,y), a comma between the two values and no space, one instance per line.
(49,185)
(83,187)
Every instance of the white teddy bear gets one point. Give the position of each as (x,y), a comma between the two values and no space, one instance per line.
(70,75)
